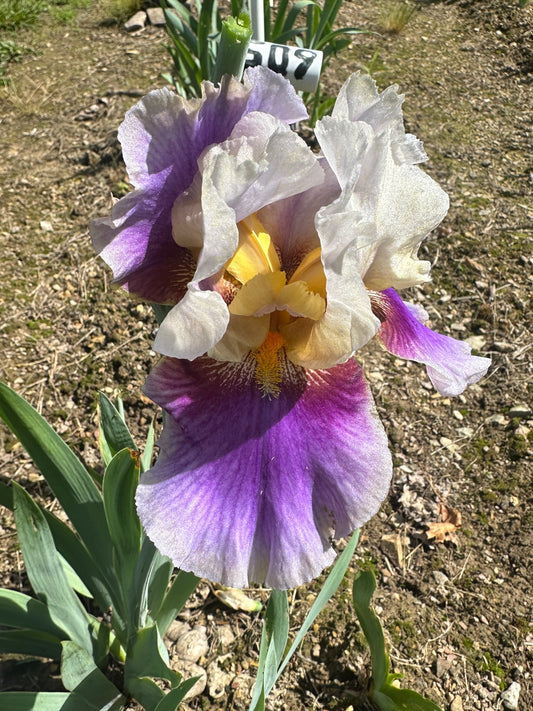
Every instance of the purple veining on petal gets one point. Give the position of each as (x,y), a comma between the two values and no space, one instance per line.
(248,488)
(449,362)
(162,138)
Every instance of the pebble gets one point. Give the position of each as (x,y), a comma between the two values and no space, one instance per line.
(476,342)
(192,644)
(136,22)
(156,16)
(510,696)
(521,410)
(457,704)
(502,347)
(497,420)
(217,681)
(225,635)
(442,666)
(440,577)
(176,629)
(241,687)
(187,670)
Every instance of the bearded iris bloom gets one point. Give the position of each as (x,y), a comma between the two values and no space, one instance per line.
(279,265)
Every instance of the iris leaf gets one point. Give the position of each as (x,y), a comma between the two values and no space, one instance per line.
(65,474)
(141,593)
(31,642)
(363,589)
(145,691)
(146,456)
(328,590)
(159,580)
(45,571)
(172,700)
(148,658)
(385,695)
(183,585)
(120,482)
(114,434)
(81,676)
(275,628)
(34,700)
(73,552)
(25,612)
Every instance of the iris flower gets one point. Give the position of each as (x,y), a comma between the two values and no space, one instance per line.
(278,264)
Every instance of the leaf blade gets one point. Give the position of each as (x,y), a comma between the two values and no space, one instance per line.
(45,571)
(120,482)
(65,474)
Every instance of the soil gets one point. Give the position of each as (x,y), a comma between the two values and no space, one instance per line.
(457,612)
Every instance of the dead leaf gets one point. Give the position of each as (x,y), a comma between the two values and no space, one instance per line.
(237,600)
(475,265)
(443,530)
(438,531)
(394,546)
(449,514)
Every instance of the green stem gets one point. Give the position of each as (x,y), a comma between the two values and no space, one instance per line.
(234,40)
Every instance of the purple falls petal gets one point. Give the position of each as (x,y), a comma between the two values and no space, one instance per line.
(250,489)
(450,364)
(162,138)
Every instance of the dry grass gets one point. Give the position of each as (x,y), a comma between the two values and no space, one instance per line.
(396,15)
(29,96)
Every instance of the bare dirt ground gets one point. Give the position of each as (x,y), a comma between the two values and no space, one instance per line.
(457,612)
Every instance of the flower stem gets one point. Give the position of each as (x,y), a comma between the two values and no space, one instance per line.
(234,40)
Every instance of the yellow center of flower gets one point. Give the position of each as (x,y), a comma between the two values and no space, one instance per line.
(268,365)
(264,292)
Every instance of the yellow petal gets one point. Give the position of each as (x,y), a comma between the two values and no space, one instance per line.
(258,296)
(255,254)
(299,300)
(311,271)
(244,334)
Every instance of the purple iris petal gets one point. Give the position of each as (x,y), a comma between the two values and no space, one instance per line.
(162,138)
(250,489)
(449,362)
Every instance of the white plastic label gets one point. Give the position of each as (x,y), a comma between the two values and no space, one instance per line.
(299,65)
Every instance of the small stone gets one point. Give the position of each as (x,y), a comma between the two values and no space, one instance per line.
(241,687)
(46,226)
(465,431)
(192,644)
(510,696)
(156,16)
(137,22)
(448,444)
(225,635)
(176,629)
(502,347)
(497,420)
(187,670)
(476,342)
(521,410)
(217,681)
(457,704)
(442,666)
(440,578)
